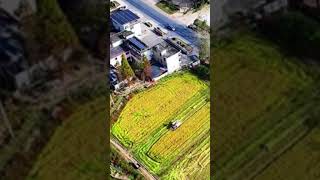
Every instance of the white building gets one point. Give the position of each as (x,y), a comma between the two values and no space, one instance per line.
(126,20)
(127,44)
(168,56)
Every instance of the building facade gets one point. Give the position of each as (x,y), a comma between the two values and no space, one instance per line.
(125,20)
(168,56)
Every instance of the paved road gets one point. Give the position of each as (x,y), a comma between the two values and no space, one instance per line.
(126,155)
(154,14)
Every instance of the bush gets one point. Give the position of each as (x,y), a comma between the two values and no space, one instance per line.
(167,7)
(202,72)
(202,25)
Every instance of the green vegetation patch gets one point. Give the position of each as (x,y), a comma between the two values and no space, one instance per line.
(201,25)
(121,168)
(77,149)
(167,7)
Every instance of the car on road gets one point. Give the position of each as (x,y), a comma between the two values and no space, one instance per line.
(135,165)
(148,24)
(170,27)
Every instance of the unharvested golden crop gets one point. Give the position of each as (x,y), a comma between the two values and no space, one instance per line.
(181,139)
(148,110)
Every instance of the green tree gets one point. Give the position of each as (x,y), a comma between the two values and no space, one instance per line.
(204,50)
(146,68)
(55,32)
(202,72)
(126,69)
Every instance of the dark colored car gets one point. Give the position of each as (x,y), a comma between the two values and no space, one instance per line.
(159,31)
(148,24)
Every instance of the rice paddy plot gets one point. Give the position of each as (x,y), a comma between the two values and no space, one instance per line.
(143,125)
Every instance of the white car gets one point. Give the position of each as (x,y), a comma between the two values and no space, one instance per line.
(170,27)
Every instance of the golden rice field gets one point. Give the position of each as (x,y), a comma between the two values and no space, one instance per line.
(174,142)
(196,165)
(142,125)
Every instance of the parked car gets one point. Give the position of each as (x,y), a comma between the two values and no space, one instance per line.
(170,27)
(148,24)
(192,26)
(159,31)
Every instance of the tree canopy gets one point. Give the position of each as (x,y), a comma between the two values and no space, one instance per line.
(147,68)
(204,50)
(126,70)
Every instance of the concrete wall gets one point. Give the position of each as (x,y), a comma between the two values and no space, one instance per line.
(136,29)
(173,62)
(159,77)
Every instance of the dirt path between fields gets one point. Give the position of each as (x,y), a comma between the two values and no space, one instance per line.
(127,156)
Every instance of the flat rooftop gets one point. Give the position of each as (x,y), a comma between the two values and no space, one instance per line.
(114,37)
(124,16)
(149,37)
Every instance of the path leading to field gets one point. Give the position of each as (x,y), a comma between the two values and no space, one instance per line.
(127,156)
